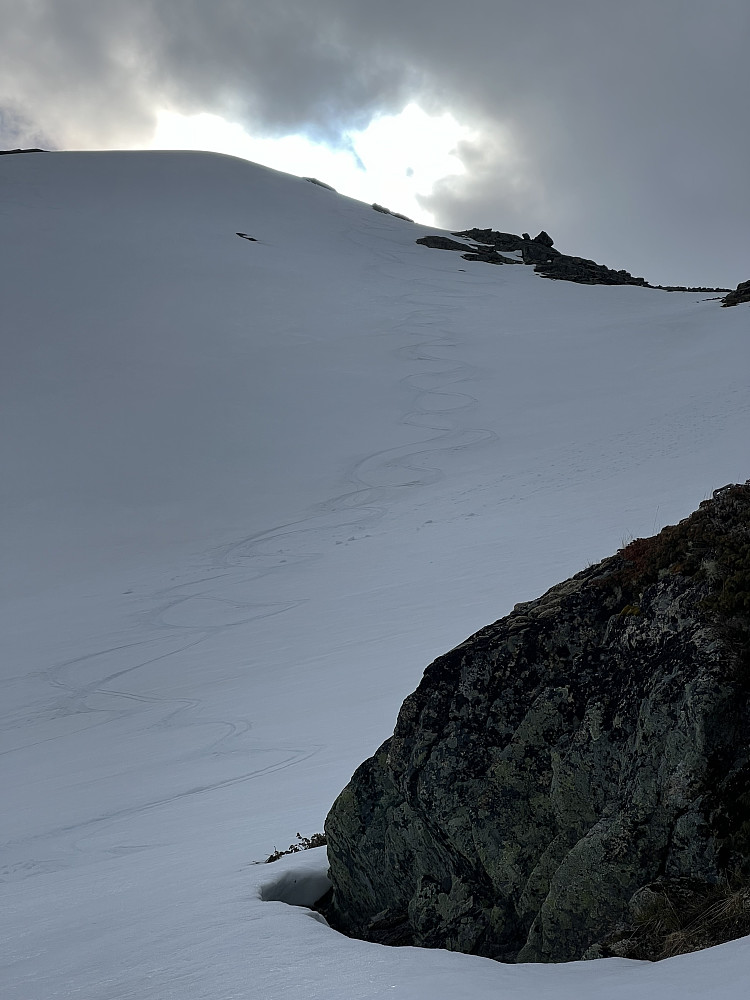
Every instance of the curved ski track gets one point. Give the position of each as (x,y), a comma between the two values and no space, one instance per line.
(184,616)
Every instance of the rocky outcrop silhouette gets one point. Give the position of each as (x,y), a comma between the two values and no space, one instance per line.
(740,294)
(489,247)
(563,763)
(443,243)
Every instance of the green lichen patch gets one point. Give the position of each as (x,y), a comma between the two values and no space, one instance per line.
(711,545)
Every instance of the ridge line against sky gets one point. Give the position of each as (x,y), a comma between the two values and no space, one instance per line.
(617,128)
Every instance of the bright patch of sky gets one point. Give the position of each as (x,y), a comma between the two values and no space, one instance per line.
(394,161)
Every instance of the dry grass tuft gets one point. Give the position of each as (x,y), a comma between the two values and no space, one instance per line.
(303,844)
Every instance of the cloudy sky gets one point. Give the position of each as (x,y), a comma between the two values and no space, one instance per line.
(621,128)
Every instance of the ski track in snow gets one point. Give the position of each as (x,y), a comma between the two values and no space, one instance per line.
(185,615)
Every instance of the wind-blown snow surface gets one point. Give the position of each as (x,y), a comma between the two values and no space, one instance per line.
(249,491)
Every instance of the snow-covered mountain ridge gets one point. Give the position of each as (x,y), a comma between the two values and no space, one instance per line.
(250,489)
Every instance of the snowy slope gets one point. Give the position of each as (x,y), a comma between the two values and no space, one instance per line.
(249,490)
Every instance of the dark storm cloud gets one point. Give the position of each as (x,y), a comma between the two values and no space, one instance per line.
(618,127)
(89,70)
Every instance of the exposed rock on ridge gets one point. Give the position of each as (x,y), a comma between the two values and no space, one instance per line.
(547,261)
(592,743)
(487,254)
(740,294)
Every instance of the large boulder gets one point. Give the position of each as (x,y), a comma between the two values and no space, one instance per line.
(556,766)
(544,238)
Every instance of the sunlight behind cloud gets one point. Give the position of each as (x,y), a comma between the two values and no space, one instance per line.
(396,160)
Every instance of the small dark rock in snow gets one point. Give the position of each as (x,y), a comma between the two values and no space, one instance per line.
(322,184)
(386,211)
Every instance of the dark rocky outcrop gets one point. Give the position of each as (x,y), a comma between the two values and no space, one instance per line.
(689,288)
(548,261)
(538,253)
(489,257)
(483,253)
(545,239)
(739,295)
(568,764)
(585,272)
(504,242)
(443,243)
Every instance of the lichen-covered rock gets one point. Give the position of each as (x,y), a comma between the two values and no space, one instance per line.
(549,768)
